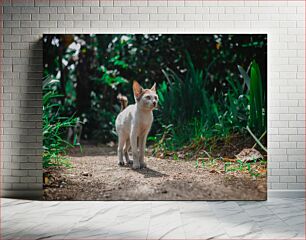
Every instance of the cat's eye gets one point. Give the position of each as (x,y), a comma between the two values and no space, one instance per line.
(148,97)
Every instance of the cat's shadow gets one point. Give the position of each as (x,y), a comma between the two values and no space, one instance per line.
(149,172)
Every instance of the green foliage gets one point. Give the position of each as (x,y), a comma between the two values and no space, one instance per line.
(88,71)
(55,128)
(257,122)
(191,112)
(250,167)
(257,110)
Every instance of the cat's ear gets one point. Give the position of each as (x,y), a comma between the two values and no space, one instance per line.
(153,88)
(137,89)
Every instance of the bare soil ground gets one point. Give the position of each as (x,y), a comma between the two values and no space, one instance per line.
(95,175)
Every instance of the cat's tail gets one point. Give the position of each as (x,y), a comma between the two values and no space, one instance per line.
(123,101)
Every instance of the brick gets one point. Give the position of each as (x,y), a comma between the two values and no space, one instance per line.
(300,165)
(296,186)
(65,10)
(139,17)
(91,3)
(71,17)
(19,173)
(11,9)
(203,10)
(287,165)
(96,10)
(81,24)
(216,10)
(230,3)
(279,186)
(63,24)
(21,31)
(221,24)
(26,24)
(73,3)
(11,24)
(20,186)
(176,17)
(295,158)
(118,17)
(122,3)
(40,16)
(139,3)
(300,179)
(158,3)
(91,16)
(11,53)
(296,172)
(184,24)
(50,10)
(185,9)
(11,179)
(161,17)
(98,24)
(287,131)
(279,172)
(114,24)
(41,3)
(29,10)
(287,179)
(190,17)
(112,10)
(81,9)
(228,17)
(148,24)
(58,3)
(166,10)
(129,24)
(21,17)
(127,10)
(273,179)
(147,9)
(27,179)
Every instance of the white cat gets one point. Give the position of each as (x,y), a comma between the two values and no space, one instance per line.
(133,124)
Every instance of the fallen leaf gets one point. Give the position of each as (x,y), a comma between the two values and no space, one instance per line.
(249,154)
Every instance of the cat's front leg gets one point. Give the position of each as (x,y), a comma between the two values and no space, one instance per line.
(133,140)
(142,147)
(120,150)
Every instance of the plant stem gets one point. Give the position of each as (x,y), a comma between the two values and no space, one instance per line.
(256,139)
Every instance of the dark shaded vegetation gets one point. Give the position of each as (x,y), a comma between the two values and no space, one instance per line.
(205,98)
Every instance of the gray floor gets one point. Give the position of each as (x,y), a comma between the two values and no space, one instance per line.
(273,219)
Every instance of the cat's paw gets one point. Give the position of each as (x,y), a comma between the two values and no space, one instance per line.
(129,162)
(136,165)
(120,163)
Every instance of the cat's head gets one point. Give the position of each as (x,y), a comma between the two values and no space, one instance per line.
(145,98)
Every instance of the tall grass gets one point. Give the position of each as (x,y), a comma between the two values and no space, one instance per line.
(189,112)
(257,121)
(55,128)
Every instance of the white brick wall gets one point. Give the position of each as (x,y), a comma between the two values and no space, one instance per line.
(24,22)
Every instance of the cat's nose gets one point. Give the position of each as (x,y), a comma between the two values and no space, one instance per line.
(154,103)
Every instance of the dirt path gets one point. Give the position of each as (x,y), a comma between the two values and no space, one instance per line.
(96,176)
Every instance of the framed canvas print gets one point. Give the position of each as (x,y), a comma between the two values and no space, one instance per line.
(155,116)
